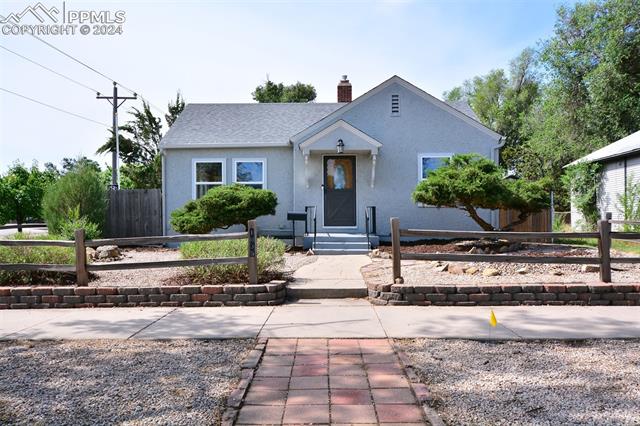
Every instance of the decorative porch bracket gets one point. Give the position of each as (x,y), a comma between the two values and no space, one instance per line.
(374,157)
(306,170)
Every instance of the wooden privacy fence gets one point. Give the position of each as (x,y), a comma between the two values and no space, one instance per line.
(134,213)
(82,268)
(536,222)
(604,236)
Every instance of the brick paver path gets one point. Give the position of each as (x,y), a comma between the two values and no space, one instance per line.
(330,381)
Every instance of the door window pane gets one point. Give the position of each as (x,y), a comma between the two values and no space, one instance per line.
(339,174)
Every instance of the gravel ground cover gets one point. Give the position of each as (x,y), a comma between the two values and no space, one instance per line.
(129,382)
(594,382)
(417,272)
(140,277)
(166,276)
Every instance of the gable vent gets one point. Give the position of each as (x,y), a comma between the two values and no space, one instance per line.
(395,105)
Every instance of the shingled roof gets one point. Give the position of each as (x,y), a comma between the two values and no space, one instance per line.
(259,124)
(254,124)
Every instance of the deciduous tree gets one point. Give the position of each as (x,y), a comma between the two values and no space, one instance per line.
(21,192)
(278,92)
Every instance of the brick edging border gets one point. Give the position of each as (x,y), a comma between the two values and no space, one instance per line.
(248,366)
(508,294)
(418,388)
(24,297)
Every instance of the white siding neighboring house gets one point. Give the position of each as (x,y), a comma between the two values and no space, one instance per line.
(621,163)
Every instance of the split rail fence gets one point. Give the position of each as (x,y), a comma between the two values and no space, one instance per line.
(82,268)
(604,236)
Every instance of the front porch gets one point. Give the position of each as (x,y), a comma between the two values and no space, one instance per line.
(335,182)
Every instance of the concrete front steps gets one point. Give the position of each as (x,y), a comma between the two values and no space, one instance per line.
(340,243)
(339,291)
(330,277)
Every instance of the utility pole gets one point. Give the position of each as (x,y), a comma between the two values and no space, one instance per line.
(115,101)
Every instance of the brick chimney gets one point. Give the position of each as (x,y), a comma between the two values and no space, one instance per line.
(344,90)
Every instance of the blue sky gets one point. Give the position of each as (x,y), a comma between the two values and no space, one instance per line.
(219,52)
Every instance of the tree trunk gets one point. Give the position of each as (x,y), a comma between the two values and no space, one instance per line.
(486,226)
(19,223)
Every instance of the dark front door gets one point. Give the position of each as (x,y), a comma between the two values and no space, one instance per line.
(339,190)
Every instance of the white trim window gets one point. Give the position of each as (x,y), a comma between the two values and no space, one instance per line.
(207,173)
(430,161)
(251,172)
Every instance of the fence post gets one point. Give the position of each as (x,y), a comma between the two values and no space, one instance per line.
(252,258)
(395,250)
(82,276)
(604,248)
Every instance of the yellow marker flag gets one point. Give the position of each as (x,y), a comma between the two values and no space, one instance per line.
(492,319)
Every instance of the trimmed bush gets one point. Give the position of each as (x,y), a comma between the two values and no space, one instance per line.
(48,255)
(471,182)
(222,207)
(80,188)
(270,260)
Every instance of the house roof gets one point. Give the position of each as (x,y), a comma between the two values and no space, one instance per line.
(464,107)
(623,147)
(255,124)
(266,124)
(454,108)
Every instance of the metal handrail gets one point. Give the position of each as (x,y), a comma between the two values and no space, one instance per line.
(314,220)
(366,226)
(370,222)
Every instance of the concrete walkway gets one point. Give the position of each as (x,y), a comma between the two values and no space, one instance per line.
(330,276)
(324,318)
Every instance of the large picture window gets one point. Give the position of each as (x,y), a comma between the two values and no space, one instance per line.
(207,174)
(430,162)
(251,172)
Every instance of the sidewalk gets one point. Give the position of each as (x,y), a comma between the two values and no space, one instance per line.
(330,276)
(324,318)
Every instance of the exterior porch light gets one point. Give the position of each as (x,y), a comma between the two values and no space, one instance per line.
(340,146)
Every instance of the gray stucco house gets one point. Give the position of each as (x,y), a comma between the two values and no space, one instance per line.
(620,166)
(340,158)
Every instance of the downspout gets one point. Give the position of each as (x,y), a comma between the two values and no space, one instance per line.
(163,193)
(495,214)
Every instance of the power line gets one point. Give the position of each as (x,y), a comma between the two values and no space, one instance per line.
(54,107)
(97,72)
(92,69)
(50,70)
(72,58)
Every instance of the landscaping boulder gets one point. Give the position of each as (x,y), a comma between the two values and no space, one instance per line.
(107,253)
(456,269)
(590,268)
(486,246)
(491,272)
(91,252)
(442,268)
